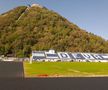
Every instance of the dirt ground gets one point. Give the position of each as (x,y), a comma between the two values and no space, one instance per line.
(11,70)
(12,78)
(54,84)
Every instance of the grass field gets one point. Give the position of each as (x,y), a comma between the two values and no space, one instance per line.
(65,69)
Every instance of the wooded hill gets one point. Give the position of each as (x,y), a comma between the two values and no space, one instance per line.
(24,29)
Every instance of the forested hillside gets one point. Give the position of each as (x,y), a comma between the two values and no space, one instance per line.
(24,29)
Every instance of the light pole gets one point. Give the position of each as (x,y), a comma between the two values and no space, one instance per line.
(30,60)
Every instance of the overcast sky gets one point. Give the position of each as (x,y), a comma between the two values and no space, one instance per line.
(90,15)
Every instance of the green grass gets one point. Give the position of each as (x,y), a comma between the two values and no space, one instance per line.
(65,69)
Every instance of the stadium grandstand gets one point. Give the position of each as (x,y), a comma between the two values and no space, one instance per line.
(53,56)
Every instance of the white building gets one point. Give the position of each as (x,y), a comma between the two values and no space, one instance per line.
(37,5)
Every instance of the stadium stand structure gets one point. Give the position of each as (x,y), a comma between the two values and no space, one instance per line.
(52,56)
